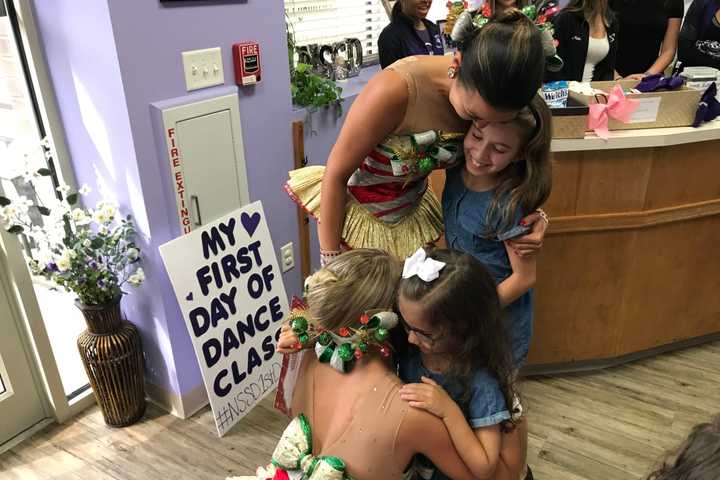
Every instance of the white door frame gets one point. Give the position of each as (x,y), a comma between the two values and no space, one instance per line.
(38,344)
(37,341)
(7,284)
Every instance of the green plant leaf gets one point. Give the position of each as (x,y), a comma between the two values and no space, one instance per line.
(97,242)
(43,211)
(72,198)
(16,229)
(4,201)
(45,172)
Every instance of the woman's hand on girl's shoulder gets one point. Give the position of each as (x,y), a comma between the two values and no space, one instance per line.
(428,396)
(530,244)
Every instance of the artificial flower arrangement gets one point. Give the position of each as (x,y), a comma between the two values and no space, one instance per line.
(87,251)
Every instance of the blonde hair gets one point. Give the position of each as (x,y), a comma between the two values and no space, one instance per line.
(354,283)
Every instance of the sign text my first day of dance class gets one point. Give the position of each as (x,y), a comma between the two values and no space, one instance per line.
(227,282)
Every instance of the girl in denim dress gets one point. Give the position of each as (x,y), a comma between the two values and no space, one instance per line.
(458,364)
(506,174)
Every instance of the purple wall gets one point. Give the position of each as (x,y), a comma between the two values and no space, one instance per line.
(108,60)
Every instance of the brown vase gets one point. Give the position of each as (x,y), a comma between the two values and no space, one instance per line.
(112,355)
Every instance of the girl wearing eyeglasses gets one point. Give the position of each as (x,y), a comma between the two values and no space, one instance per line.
(459,364)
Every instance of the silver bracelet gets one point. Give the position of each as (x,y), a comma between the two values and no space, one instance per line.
(327,256)
(544,216)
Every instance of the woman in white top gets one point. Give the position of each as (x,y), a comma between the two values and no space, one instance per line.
(586,31)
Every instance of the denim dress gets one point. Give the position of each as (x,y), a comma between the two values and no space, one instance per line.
(485,406)
(466,230)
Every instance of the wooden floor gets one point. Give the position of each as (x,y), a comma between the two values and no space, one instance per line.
(607,425)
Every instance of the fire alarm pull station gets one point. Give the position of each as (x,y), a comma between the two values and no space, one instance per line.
(246,57)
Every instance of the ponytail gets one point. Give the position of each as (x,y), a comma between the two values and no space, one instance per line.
(503,61)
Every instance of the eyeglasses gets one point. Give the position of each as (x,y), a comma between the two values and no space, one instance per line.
(422,336)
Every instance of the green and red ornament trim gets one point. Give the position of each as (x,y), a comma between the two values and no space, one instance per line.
(342,348)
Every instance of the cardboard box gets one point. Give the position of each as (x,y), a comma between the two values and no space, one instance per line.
(674,108)
(571,121)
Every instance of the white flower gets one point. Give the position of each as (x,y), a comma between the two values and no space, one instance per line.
(80,217)
(103,230)
(133,254)
(64,189)
(84,190)
(63,262)
(110,210)
(72,254)
(9,212)
(100,217)
(104,213)
(137,278)
(86,243)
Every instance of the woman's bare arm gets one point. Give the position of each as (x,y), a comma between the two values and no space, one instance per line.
(375,113)
(423,432)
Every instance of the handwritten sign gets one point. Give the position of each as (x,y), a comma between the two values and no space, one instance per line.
(647,110)
(227,282)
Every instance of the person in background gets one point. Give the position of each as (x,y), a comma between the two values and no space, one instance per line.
(648,35)
(586,31)
(501,6)
(699,43)
(409,33)
(698,458)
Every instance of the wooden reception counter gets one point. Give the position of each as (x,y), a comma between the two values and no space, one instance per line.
(631,262)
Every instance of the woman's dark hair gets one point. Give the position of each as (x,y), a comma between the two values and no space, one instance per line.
(591,8)
(396,13)
(504,61)
(698,457)
(464,306)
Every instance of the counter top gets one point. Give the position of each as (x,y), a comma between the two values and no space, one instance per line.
(655,137)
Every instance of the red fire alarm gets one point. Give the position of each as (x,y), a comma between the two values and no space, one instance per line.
(246,57)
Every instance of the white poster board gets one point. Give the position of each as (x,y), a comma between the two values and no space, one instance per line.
(229,287)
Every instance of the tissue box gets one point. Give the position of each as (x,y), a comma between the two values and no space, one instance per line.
(570,121)
(674,108)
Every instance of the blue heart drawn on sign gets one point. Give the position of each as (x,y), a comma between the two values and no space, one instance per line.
(189,297)
(250,222)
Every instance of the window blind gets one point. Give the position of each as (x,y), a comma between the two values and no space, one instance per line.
(326,22)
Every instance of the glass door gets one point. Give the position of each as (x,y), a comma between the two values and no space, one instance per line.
(20,402)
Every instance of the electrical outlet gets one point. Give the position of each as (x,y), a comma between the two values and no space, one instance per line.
(287,257)
(203,68)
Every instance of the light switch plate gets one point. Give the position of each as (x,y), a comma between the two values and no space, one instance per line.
(287,259)
(203,68)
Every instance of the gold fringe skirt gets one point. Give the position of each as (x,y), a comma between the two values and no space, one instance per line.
(361,228)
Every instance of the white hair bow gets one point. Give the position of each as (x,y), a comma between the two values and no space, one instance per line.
(419,264)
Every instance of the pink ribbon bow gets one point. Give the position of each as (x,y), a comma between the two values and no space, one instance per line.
(618,106)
